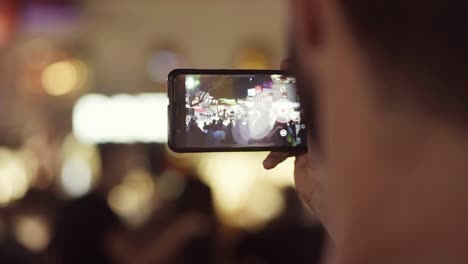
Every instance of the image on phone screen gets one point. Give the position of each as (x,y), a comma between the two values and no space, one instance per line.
(242,111)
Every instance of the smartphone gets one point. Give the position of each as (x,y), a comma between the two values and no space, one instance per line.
(234,110)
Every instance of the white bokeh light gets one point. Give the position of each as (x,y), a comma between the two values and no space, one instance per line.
(77,177)
(121,118)
(191,82)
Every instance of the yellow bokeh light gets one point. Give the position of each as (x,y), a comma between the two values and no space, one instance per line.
(231,177)
(82,72)
(63,77)
(268,203)
(5,190)
(245,194)
(32,232)
(14,181)
(252,58)
(133,199)
(123,200)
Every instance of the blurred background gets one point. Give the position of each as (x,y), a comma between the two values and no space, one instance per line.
(85,173)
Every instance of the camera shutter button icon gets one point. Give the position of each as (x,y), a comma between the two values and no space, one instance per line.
(283,132)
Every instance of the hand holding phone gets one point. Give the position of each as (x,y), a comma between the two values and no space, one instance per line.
(308,170)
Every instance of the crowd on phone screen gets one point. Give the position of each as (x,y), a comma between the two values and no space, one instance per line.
(237,133)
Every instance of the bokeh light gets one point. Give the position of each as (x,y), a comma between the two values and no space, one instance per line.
(60,78)
(241,186)
(63,77)
(76,177)
(191,82)
(121,118)
(133,199)
(252,58)
(80,168)
(32,232)
(268,204)
(14,182)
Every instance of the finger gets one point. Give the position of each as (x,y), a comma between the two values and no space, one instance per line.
(274,159)
(286,64)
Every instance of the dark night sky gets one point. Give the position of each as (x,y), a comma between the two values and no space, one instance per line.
(232,86)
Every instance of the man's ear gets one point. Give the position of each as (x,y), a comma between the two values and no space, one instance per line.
(307,22)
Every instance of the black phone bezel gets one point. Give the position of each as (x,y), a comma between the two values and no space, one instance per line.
(177,107)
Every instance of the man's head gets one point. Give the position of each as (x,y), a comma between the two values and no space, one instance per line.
(389,98)
(421,43)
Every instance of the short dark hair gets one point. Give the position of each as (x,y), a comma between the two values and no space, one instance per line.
(424,41)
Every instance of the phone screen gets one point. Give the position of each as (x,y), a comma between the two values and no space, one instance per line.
(226,111)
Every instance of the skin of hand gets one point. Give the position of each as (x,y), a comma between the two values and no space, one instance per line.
(309,177)
(309,174)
